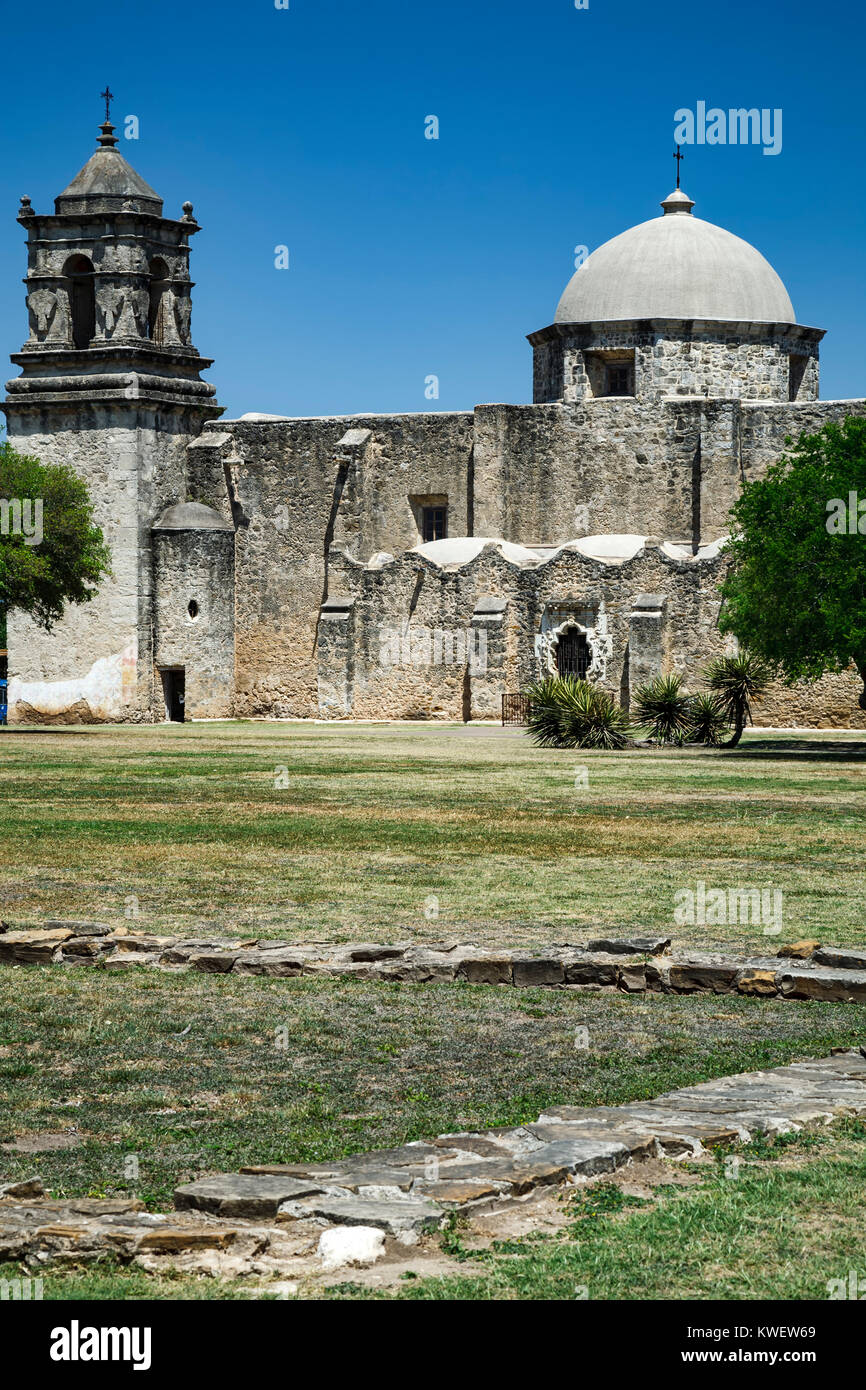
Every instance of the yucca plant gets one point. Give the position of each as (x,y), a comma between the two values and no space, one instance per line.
(708,722)
(570,713)
(589,717)
(737,681)
(662,708)
(544,709)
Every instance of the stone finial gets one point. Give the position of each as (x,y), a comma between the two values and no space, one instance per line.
(25,209)
(107,139)
(187,213)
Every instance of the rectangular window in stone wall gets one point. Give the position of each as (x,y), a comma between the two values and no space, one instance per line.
(611,372)
(434,523)
(619,380)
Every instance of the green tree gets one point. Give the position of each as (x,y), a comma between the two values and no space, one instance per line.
(796,593)
(51,551)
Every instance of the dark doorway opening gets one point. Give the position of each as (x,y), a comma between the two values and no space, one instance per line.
(572,654)
(174,689)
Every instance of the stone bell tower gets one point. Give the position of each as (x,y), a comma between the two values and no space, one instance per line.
(110,383)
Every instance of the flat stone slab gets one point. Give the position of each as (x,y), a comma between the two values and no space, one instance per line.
(840,959)
(397,1218)
(32,947)
(848,986)
(631,946)
(279,961)
(239,1194)
(451,1192)
(406,1189)
(76,928)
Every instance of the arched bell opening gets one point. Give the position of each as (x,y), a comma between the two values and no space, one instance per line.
(78,273)
(159,307)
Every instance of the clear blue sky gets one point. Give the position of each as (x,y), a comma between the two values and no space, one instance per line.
(411,257)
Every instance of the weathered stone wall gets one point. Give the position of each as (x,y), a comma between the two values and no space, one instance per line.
(196,567)
(764,428)
(409,638)
(545,474)
(674,358)
(312,510)
(417,651)
(297,492)
(831,703)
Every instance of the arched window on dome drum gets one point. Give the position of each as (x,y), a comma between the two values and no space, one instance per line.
(160,290)
(78,273)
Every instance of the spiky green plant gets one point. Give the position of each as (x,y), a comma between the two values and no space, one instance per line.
(708,722)
(590,718)
(662,708)
(544,710)
(570,713)
(738,681)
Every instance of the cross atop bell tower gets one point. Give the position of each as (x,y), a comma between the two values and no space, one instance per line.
(107,139)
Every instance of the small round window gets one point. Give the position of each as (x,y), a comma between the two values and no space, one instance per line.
(192,609)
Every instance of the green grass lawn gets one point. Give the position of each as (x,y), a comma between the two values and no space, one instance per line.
(185,826)
(187,829)
(185,1071)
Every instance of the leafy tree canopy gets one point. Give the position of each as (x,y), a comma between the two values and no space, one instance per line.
(51,551)
(796,594)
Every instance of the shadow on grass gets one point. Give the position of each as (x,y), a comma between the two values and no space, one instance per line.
(811,750)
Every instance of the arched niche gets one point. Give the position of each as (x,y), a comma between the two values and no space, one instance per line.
(78,273)
(159,311)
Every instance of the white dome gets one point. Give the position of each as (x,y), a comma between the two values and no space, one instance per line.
(676,267)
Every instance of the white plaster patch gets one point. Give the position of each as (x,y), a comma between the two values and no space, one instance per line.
(609,547)
(706,552)
(461,550)
(253,415)
(109,684)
